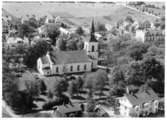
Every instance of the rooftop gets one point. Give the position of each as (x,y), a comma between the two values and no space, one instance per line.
(65,57)
(69,108)
(142,97)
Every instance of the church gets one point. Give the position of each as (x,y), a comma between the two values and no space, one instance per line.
(61,62)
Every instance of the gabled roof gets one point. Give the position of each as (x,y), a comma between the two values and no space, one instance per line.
(69,108)
(65,57)
(142,97)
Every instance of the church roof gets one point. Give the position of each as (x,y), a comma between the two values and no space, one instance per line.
(65,57)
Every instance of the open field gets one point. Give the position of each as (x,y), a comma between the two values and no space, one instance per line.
(76,14)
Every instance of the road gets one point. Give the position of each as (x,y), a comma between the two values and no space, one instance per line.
(132,8)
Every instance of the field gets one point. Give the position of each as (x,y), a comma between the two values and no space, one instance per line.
(75,14)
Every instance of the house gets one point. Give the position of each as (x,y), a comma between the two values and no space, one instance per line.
(144,25)
(140,35)
(139,104)
(154,35)
(14,41)
(150,35)
(60,62)
(68,110)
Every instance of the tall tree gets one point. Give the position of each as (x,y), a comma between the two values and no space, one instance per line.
(135,73)
(80,31)
(153,69)
(101,27)
(60,86)
(52,32)
(137,50)
(73,88)
(25,30)
(34,52)
(101,79)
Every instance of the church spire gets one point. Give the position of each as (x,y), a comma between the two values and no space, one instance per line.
(92,33)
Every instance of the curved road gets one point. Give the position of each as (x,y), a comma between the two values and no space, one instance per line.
(127,6)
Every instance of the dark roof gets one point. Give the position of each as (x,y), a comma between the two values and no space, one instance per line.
(142,97)
(69,108)
(65,57)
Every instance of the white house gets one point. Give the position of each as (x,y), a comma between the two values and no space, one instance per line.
(64,31)
(149,35)
(141,103)
(140,35)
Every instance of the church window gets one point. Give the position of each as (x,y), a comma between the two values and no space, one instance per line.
(78,67)
(71,68)
(84,67)
(57,69)
(93,48)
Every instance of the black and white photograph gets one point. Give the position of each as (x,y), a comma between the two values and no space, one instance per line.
(86,59)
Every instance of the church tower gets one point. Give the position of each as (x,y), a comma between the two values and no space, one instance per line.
(91,46)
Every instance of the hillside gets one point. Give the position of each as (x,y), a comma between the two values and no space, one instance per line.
(76,14)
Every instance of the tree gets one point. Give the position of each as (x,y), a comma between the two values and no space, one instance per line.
(80,45)
(120,22)
(114,31)
(9,87)
(34,52)
(42,20)
(116,75)
(155,52)
(73,88)
(80,83)
(117,90)
(80,31)
(52,32)
(60,86)
(134,73)
(71,45)
(25,30)
(137,50)
(89,84)
(101,27)
(163,23)
(62,44)
(32,90)
(153,69)
(21,49)
(33,22)
(91,104)
(129,19)
(100,80)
